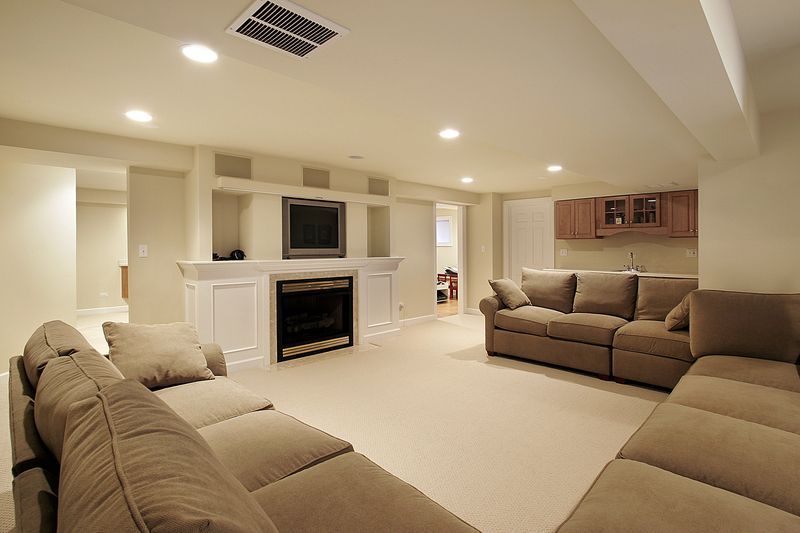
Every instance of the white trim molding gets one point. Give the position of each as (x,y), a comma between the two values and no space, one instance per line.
(473,311)
(102,310)
(417,320)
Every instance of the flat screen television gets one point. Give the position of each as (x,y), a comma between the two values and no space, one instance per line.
(313,228)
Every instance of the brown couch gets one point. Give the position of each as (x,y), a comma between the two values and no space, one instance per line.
(722,452)
(92,451)
(605,323)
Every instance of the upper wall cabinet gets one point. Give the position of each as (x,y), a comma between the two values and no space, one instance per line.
(682,213)
(575,219)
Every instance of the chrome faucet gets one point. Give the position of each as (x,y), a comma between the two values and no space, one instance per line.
(632,267)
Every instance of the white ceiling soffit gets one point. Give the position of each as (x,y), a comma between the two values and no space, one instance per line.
(285,26)
(690,54)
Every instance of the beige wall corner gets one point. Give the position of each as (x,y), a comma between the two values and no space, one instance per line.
(484,246)
(413,237)
(156,203)
(37,214)
(260,222)
(225,209)
(102,242)
(199,185)
(749,230)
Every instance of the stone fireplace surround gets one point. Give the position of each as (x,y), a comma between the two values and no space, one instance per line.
(232,303)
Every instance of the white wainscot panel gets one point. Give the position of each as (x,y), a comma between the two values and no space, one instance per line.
(379,299)
(235,316)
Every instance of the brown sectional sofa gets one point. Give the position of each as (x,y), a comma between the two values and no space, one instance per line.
(604,323)
(722,452)
(92,451)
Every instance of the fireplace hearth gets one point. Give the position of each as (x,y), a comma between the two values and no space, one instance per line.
(313,316)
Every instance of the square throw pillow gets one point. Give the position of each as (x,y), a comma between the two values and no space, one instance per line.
(511,295)
(678,318)
(157,355)
(553,290)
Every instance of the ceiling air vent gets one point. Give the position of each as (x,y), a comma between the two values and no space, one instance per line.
(286,26)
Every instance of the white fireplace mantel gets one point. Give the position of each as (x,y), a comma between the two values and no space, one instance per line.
(229,301)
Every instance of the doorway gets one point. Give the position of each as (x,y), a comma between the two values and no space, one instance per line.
(449,260)
(528,238)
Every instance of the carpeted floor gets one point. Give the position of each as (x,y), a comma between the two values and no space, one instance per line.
(506,445)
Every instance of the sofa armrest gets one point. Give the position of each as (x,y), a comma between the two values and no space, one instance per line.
(489,306)
(215,359)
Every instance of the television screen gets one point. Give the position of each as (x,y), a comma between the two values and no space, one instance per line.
(313,226)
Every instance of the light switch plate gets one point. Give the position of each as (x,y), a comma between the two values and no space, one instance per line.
(563,252)
(691,252)
(142,250)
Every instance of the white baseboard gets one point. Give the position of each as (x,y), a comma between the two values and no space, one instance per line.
(375,336)
(253,362)
(472,311)
(102,310)
(417,320)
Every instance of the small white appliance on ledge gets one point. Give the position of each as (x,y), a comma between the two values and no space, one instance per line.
(235,303)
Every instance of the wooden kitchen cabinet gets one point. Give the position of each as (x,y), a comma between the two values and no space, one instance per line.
(613,212)
(575,219)
(645,210)
(682,213)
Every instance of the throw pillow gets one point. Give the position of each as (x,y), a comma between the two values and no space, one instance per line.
(511,295)
(157,355)
(553,290)
(678,318)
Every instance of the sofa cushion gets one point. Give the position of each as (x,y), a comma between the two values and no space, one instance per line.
(203,403)
(553,290)
(656,297)
(28,450)
(680,316)
(606,294)
(67,380)
(746,458)
(157,355)
(771,407)
(633,496)
(50,340)
(36,500)
(269,446)
(511,295)
(131,464)
(351,493)
(527,319)
(652,337)
(585,327)
(765,326)
(785,376)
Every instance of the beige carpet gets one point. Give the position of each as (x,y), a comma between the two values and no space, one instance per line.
(506,445)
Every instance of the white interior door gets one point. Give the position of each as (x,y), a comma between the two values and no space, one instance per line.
(529,239)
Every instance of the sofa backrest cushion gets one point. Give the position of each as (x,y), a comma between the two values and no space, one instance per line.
(605,294)
(27,448)
(50,340)
(765,326)
(553,290)
(67,380)
(656,297)
(157,355)
(131,464)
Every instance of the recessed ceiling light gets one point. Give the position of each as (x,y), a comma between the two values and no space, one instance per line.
(356,156)
(199,53)
(554,168)
(137,115)
(449,133)
(467,179)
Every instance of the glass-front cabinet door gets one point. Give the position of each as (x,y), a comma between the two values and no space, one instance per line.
(614,212)
(645,210)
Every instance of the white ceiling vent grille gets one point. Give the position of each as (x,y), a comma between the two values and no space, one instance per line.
(286,26)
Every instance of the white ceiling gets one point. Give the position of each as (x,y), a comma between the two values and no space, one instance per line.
(528,82)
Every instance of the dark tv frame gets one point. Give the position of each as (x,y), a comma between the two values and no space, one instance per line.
(311,253)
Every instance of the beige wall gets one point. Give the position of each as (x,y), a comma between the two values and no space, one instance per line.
(378,231)
(156,218)
(656,253)
(356,229)
(484,247)
(413,237)
(260,222)
(448,255)
(225,209)
(37,217)
(749,225)
(102,241)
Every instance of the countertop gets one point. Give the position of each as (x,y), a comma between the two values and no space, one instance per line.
(642,274)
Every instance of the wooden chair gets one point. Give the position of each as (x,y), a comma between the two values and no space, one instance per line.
(453,287)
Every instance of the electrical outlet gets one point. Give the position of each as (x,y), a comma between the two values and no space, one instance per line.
(142,250)
(563,252)
(483,249)
(691,252)
(104,295)
(402,306)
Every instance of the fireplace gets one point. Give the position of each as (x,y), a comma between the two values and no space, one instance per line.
(313,316)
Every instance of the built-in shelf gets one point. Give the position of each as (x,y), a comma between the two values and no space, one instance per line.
(245,186)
